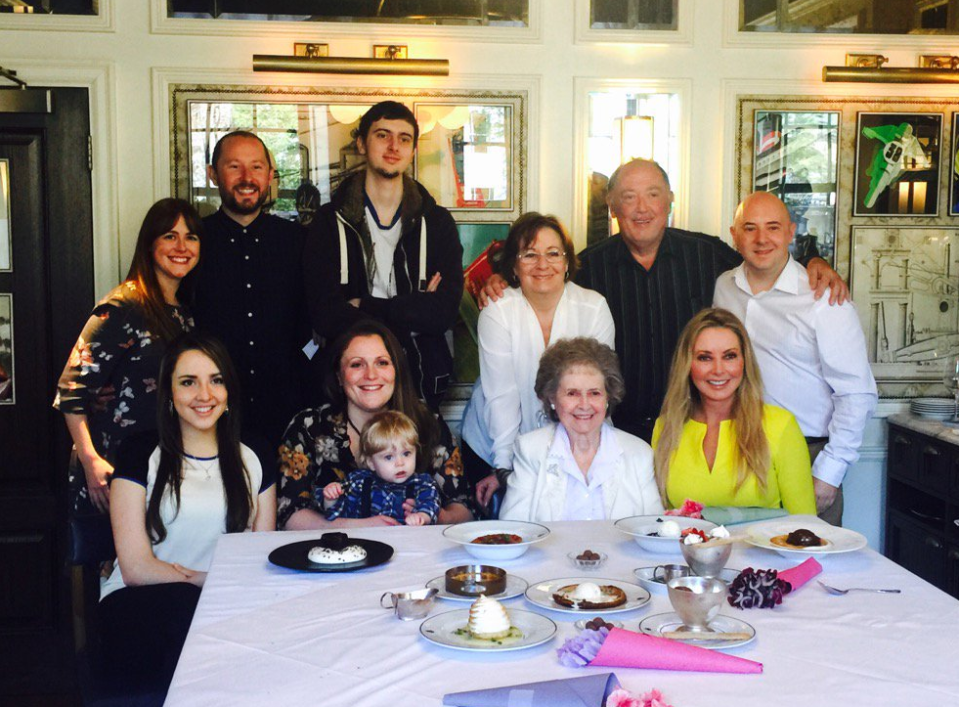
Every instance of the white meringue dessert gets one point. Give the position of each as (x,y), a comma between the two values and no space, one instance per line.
(327,556)
(488,619)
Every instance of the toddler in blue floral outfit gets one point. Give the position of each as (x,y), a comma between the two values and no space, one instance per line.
(388,447)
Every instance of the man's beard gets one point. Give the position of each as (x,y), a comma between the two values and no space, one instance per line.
(247,208)
(386,173)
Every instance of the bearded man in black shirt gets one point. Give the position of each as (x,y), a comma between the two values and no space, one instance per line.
(250,291)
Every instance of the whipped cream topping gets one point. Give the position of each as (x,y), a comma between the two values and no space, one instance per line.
(692,539)
(670,529)
(487,617)
(587,591)
(326,556)
(719,532)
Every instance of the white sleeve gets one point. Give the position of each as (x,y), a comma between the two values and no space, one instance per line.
(604,329)
(520,485)
(498,378)
(845,367)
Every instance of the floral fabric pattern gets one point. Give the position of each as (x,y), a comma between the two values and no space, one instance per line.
(315,451)
(111,377)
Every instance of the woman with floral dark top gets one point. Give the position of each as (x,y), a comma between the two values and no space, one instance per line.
(368,374)
(107,390)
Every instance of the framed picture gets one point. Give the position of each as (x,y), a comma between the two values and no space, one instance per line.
(954,168)
(897,164)
(6,349)
(905,283)
(471,155)
(796,157)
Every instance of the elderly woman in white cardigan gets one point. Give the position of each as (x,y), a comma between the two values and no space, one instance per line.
(579,468)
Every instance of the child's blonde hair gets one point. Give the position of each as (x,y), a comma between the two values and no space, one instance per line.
(385,430)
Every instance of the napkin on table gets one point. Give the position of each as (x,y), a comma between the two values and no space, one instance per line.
(628,649)
(732,515)
(801,573)
(587,691)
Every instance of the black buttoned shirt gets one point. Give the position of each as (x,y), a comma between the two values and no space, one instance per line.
(650,309)
(250,295)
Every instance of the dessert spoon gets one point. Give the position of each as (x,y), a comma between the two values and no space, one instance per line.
(841,592)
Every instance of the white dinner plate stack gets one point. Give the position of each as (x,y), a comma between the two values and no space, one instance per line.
(934,408)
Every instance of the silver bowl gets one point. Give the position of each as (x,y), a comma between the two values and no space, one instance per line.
(706,561)
(697,600)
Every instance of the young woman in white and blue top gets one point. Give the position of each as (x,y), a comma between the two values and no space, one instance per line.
(169,504)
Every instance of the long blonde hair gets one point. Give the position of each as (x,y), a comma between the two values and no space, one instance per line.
(683,399)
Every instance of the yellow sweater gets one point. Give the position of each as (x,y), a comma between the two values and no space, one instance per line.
(788,483)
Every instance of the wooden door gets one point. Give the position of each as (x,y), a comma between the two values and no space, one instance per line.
(46,284)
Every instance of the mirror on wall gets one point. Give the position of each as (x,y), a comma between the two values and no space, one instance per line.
(796,157)
(850,16)
(494,13)
(634,14)
(50,7)
(463,156)
(470,154)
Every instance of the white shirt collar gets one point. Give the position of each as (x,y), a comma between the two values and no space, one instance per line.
(788,280)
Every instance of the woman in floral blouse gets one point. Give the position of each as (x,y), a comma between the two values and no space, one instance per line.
(107,390)
(368,374)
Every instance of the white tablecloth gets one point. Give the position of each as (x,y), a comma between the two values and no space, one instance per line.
(263,635)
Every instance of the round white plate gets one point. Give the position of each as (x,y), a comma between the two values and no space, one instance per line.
(514,587)
(657,624)
(541,594)
(657,586)
(464,534)
(839,539)
(441,630)
(640,527)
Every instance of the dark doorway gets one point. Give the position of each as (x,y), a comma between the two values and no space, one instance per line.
(46,284)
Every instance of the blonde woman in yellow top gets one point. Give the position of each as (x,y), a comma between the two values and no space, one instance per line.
(715,441)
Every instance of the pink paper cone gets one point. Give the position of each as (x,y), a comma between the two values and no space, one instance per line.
(802,573)
(627,649)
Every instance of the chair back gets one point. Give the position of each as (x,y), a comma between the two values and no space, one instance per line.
(90,540)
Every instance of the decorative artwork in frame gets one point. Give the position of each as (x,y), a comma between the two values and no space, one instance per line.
(6,349)
(954,168)
(471,153)
(796,157)
(897,164)
(905,283)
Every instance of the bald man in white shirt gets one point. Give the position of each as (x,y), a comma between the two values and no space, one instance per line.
(812,356)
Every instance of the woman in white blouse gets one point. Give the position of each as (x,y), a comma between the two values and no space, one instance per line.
(541,306)
(579,468)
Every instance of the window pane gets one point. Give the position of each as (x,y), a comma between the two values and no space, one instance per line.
(495,13)
(850,16)
(633,14)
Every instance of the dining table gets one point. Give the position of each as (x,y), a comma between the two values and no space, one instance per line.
(269,635)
